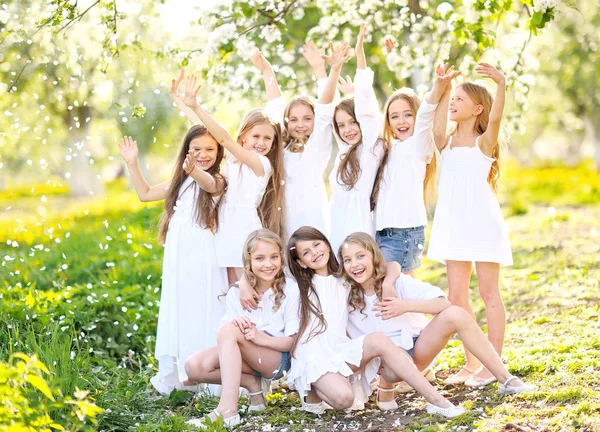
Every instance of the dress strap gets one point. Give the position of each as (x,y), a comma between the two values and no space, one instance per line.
(450,142)
(481,151)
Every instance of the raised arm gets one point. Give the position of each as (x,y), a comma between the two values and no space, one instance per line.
(271,84)
(129,150)
(489,139)
(336,60)
(313,56)
(223,137)
(178,98)
(440,120)
(392,273)
(207,182)
(361,61)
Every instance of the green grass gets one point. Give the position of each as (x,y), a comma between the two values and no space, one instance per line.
(93,322)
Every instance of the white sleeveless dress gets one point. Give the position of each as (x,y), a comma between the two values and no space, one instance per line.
(332,350)
(190,309)
(468,223)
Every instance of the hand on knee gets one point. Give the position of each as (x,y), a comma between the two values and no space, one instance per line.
(227,332)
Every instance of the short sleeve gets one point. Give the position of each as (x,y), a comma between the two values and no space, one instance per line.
(232,305)
(266,165)
(275,109)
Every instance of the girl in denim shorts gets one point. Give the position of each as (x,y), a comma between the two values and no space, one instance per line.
(406,175)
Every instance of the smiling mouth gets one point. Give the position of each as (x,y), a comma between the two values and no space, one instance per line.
(268,272)
(358,273)
(403,130)
(204,162)
(351,137)
(260,149)
(318,258)
(453,111)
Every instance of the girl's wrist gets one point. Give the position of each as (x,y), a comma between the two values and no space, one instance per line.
(190,171)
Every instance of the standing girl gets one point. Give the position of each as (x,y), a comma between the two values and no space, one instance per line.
(323,355)
(254,180)
(307,137)
(191,278)
(357,124)
(468,225)
(252,346)
(401,318)
(407,171)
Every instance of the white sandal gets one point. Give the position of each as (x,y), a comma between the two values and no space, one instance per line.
(475,381)
(203,424)
(264,389)
(389,405)
(457,379)
(506,389)
(449,412)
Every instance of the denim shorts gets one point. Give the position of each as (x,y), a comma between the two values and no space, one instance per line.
(284,366)
(403,245)
(410,351)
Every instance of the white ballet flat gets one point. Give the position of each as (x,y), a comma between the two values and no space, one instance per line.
(264,385)
(389,405)
(313,408)
(457,379)
(506,389)
(229,421)
(450,412)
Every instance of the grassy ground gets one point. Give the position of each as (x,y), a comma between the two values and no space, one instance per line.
(79,287)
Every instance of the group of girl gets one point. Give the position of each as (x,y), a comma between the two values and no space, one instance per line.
(219,229)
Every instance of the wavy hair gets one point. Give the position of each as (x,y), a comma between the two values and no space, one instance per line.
(356,299)
(271,209)
(206,211)
(304,278)
(349,169)
(414,103)
(295,145)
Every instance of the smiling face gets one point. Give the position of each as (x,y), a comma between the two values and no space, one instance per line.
(259,139)
(347,127)
(266,261)
(312,254)
(401,119)
(358,262)
(462,107)
(207,151)
(300,120)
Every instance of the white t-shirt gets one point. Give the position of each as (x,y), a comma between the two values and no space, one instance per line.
(400,329)
(283,322)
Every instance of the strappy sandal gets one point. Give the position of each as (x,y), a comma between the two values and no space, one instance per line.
(457,379)
(475,381)
(264,385)
(386,406)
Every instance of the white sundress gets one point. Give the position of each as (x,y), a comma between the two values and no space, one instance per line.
(351,209)
(238,215)
(305,192)
(192,280)
(332,350)
(468,223)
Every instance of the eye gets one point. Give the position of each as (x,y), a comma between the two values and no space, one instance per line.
(317,243)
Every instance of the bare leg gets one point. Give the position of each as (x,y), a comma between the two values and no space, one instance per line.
(399,363)
(385,396)
(488,275)
(459,276)
(335,390)
(434,337)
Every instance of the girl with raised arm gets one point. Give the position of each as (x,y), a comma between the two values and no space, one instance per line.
(191,277)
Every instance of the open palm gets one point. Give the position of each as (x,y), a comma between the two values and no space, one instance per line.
(129,150)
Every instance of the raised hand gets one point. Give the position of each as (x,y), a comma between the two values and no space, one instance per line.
(260,62)
(338,56)
(190,161)
(346,86)
(390,44)
(129,150)
(173,90)
(191,91)
(313,55)
(445,75)
(488,71)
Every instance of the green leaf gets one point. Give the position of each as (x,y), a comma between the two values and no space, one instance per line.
(40,384)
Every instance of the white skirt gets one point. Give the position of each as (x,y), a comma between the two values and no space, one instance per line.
(190,309)
(236,222)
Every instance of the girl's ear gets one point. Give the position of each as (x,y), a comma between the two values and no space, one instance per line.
(479,109)
(301,264)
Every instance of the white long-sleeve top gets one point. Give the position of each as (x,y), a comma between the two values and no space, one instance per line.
(401,203)
(283,322)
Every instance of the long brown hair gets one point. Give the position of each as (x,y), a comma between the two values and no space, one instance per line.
(272,208)
(304,278)
(267,236)
(206,211)
(414,103)
(295,145)
(356,299)
(349,169)
(481,95)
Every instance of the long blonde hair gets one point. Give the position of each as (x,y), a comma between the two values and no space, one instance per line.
(295,145)
(271,209)
(429,186)
(264,235)
(481,95)
(356,298)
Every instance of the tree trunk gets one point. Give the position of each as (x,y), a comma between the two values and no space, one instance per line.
(83,181)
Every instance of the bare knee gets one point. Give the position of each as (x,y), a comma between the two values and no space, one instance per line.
(227,332)
(456,315)
(196,366)
(380,342)
(342,398)
(490,295)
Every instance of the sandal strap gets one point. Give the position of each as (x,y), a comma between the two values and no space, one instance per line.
(260,392)
(510,378)
(386,390)
(468,370)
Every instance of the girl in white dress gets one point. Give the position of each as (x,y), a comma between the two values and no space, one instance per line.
(357,123)
(191,278)
(401,318)
(468,225)
(254,196)
(405,178)
(323,357)
(307,134)
(252,346)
